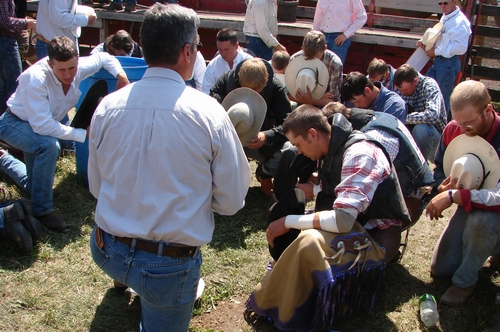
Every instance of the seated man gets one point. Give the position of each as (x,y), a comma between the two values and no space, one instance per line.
(426,111)
(380,71)
(359,90)
(314,46)
(358,188)
(120,43)
(35,121)
(473,232)
(258,75)
(230,55)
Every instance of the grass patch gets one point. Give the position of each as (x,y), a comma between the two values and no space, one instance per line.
(59,288)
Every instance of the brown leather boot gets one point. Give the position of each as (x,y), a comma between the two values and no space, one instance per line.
(455,296)
(14,230)
(266,185)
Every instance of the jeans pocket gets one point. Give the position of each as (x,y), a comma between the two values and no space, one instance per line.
(163,290)
(99,256)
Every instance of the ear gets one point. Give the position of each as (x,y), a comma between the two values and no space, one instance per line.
(313,133)
(186,52)
(367,91)
(50,64)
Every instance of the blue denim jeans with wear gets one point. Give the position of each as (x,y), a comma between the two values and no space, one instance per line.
(40,157)
(167,286)
(41,49)
(257,45)
(444,71)
(10,69)
(340,50)
(14,169)
(468,240)
(427,138)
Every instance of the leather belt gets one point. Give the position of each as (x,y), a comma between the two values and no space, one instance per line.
(8,33)
(43,39)
(176,250)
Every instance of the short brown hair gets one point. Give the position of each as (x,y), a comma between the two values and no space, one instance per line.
(405,73)
(303,118)
(377,67)
(280,60)
(120,40)
(336,107)
(62,48)
(253,74)
(470,93)
(314,41)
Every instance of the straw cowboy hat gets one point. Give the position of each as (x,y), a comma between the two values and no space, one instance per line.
(247,111)
(312,73)
(473,161)
(431,35)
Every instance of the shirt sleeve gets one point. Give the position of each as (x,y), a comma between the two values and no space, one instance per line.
(60,15)
(261,23)
(433,100)
(8,20)
(359,13)
(455,40)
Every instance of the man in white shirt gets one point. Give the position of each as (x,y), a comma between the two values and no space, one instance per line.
(261,28)
(37,113)
(452,43)
(230,54)
(339,21)
(58,18)
(160,164)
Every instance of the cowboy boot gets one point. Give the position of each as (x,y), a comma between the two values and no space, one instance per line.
(13,228)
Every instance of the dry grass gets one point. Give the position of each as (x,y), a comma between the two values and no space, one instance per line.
(59,288)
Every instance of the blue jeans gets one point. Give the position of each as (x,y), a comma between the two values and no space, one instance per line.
(444,71)
(40,156)
(427,138)
(340,50)
(14,169)
(166,285)
(41,49)
(10,69)
(464,246)
(257,45)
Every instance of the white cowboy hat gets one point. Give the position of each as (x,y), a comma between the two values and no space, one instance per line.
(81,11)
(311,73)
(247,111)
(431,35)
(473,161)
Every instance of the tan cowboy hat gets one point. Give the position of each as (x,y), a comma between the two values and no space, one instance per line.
(247,111)
(311,73)
(431,35)
(473,161)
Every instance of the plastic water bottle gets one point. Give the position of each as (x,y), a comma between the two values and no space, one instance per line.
(428,310)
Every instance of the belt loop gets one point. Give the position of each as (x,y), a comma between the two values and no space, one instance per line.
(195,252)
(160,249)
(113,237)
(132,245)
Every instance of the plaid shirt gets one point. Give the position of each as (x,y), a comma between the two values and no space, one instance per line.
(334,65)
(427,104)
(364,167)
(8,19)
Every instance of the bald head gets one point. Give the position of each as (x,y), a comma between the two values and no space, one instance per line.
(469,93)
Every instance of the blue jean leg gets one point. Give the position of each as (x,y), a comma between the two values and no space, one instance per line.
(340,50)
(15,169)
(41,49)
(257,45)
(464,246)
(427,138)
(444,71)
(166,285)
(10,69)
(40,157)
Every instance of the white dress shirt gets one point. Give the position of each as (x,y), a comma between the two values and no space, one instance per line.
(199,70)
(261,20)
(40,99)
(345,16)
(455,38)
(217,67)
(55,18)
(162,158)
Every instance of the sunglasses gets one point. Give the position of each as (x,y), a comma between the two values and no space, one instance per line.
(443,3)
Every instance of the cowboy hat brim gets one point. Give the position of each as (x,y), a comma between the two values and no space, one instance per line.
(478,146)
(431,35)
(255,102)
(316,65)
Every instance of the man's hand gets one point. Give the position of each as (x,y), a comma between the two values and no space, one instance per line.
(419,44)
(122,80)
(340,40)
(275,229)
(92,17)
(437,205)
(279,47)
(258,141)
(31,23)
(307,188)
(430,53)
(447,184)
